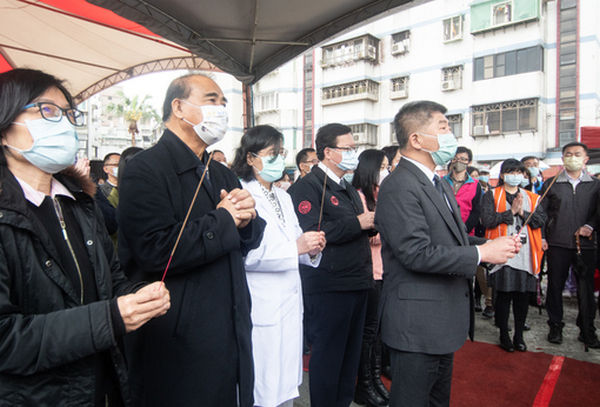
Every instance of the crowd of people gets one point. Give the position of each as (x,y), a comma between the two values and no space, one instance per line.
(182,279)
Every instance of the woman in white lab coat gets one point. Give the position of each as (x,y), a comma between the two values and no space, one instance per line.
(272,270)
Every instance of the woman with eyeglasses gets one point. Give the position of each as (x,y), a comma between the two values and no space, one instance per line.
(272,270)
(64,302)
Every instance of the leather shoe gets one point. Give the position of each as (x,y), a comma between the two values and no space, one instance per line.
(593,343)
(555,334)
(526,327)
(506,344)
(520,345)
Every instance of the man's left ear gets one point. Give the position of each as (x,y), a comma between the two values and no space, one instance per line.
(416,141)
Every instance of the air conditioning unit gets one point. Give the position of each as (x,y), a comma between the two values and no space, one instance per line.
(448,84)
(359,138)
(478,130)
(398,48)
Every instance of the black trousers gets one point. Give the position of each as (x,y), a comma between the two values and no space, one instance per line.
(335,322)
(520,303)
(559,261)
(420,379)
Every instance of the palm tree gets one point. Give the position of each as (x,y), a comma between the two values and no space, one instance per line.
(132,110)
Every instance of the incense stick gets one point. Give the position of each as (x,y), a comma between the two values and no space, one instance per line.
(189,211)
(322,202)
(541,199)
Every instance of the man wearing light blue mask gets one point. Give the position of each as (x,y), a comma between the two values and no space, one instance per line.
(429,260)
(335,293)
(533,166)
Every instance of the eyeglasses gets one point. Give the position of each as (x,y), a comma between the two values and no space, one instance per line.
(271,157)
(53,113)
(314,161)
(351,149)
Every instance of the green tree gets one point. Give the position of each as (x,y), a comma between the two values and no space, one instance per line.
(133,110)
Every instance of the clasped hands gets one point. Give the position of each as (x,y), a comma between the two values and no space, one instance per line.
(240,204)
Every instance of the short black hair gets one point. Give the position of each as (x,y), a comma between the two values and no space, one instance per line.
(390,152)
(471,170)
(107,157)
(218,151)
(126,157)
(19,87)
(302,154)
(254,139)
(327,135)
(178,89)
(511,165)
(529,157)
(414,114)
(463,149)
(575,144)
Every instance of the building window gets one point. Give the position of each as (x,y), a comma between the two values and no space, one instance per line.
(347,52)
(266,102)
(452,78)
(399,88)
(505,117)
(365,134)
(348,92)
(455,122)
(502,13)
(508,63)
(453,28)
(400,42)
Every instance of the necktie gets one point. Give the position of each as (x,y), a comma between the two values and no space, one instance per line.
(438,186)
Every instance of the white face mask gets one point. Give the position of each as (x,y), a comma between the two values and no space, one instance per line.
(284,185)
(382,175)
(213,126)
(115,172)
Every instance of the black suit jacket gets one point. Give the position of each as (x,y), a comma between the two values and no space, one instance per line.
(428,265)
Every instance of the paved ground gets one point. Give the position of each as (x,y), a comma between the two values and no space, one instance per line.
(485,331)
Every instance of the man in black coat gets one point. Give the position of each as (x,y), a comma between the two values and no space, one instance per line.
(200,352)
(572,205)
(335,293)
(428,261)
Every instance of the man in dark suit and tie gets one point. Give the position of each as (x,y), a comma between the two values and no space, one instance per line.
(428,261)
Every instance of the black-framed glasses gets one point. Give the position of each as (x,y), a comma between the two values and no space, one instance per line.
(351,149)
(53,113)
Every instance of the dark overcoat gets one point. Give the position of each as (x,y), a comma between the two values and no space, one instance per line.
(199,353)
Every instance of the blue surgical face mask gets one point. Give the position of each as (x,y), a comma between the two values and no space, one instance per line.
(525,182)
(447,150)
(534,171)
(513,180)
(349,161)
(348,177)
(55,144)
(484,178)
(272,170)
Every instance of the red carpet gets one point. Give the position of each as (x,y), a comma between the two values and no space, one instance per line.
(485,375)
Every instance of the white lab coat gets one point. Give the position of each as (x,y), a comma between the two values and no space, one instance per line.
(274,282)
